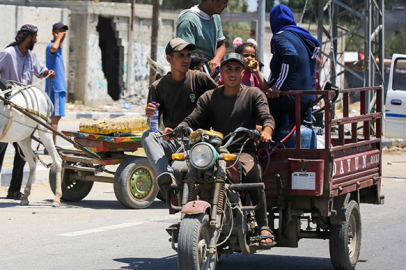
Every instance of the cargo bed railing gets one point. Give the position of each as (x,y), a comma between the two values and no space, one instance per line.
(369,120)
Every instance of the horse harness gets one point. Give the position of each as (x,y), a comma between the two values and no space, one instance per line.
(34,101)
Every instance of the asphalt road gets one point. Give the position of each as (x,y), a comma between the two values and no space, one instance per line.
(99,233)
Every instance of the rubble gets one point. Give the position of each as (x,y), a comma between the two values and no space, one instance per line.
(117,106)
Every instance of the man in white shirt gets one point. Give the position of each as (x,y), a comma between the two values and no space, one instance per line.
(19,63)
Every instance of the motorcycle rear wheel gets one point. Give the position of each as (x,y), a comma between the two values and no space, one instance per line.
(193,244)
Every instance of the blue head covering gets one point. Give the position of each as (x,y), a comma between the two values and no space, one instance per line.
(281,19)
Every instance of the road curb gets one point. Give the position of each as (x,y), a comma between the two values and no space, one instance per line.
(393,142)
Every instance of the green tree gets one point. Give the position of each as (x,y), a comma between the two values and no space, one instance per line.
(236,29)
(354,43)
(395,44)
(231,29)
(389,4)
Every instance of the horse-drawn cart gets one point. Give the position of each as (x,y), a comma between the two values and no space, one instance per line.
(134,180)
(25,109)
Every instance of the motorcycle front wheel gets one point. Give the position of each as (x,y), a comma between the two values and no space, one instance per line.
(193,244)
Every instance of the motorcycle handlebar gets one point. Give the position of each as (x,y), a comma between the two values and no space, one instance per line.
(178,132)
(252,133)
(183,131)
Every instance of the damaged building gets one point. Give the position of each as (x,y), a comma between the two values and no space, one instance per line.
(106,46)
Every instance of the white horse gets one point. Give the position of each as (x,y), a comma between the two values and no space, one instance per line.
(18,127)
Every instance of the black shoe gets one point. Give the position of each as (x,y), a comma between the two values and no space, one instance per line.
(15,195)
(164,180)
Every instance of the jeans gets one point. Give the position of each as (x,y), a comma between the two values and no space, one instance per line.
(18,167)
(159,152)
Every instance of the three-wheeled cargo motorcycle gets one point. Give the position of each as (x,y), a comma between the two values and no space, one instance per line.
(310,193)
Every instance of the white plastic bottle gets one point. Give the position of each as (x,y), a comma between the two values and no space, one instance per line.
(154,119)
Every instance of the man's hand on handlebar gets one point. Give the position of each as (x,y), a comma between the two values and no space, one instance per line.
(266,134)
(178,132)
(170,136)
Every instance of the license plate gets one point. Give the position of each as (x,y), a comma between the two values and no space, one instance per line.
(304,180)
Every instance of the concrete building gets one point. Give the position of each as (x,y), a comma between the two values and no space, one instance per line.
(105,60)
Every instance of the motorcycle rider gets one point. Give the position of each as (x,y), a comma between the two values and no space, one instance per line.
(234,105)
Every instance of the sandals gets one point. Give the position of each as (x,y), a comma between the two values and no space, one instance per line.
(266,236)
(16,196)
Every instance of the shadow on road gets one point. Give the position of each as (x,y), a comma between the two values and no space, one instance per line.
(85,204)
(109,204)
(165,263)
(235,261)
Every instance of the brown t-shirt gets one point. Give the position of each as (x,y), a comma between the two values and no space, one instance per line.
(178,99)
(224,113)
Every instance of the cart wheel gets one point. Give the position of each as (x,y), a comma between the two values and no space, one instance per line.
(134,183)
(345,240)
(72,190)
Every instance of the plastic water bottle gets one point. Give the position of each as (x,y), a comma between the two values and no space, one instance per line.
(154,119)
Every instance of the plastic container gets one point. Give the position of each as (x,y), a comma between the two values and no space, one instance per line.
(308,139)
(154,119)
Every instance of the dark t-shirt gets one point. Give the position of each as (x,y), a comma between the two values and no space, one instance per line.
(224,113)
(178,99)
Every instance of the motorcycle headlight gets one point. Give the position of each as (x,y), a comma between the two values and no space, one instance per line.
(203,156)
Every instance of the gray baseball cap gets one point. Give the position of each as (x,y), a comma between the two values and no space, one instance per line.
(178,44)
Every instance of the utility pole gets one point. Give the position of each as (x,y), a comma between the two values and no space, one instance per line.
(132,15)
(261,29)
(154,37)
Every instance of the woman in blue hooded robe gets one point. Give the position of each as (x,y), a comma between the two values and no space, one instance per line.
(293,64)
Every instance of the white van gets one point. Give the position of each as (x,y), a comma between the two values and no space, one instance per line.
(395,112)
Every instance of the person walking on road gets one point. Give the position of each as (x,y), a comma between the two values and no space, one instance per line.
(56,88)
(19,63)
(201,25)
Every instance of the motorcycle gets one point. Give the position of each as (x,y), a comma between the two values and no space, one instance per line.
(217,216)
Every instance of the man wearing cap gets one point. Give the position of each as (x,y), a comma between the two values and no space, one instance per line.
(201,25)
(175,95)
(19,63)
(56,88)
(234,105)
